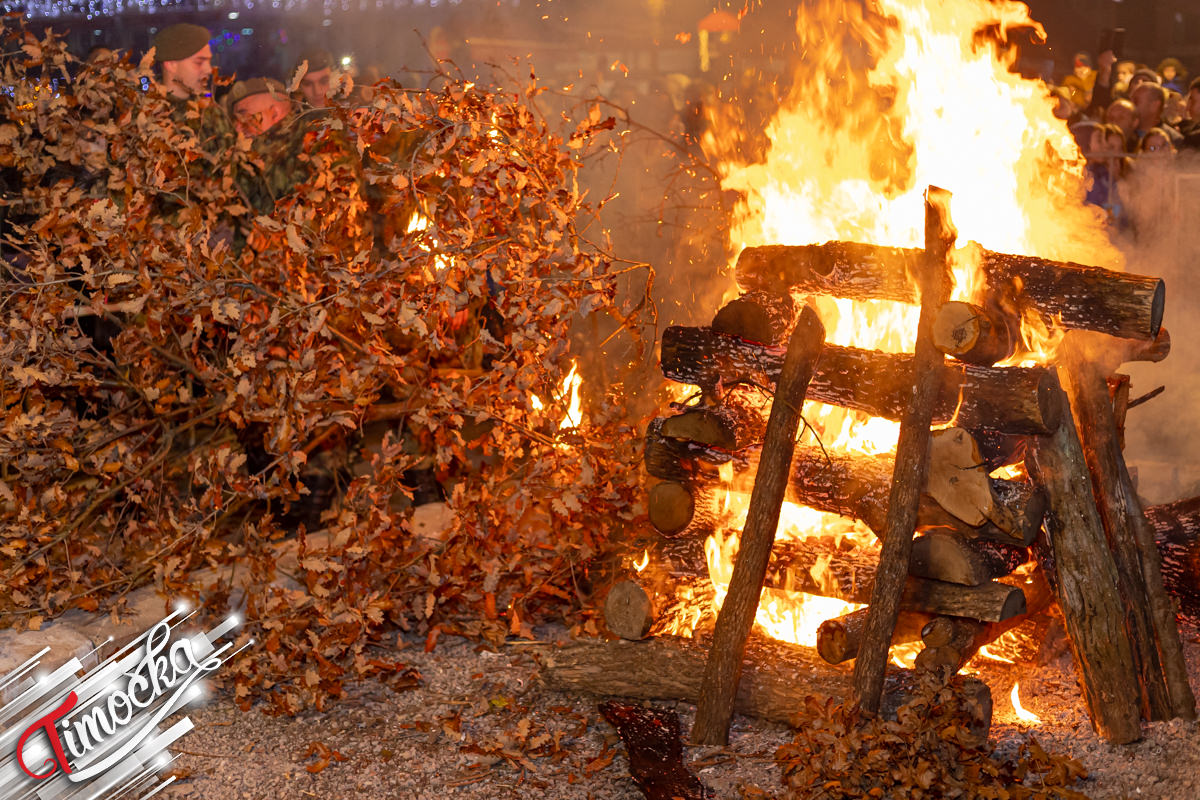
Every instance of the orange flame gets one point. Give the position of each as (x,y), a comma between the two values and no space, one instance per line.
(1022,714)
(892,97)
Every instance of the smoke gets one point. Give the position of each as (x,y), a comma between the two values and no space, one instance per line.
(1163,239)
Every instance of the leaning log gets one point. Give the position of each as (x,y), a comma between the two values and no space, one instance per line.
(1015,399)
(1086,586)
(724,665)
(1149,615)
(777,678)
(1080,297)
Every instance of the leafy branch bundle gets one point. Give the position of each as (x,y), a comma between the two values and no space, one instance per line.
(175,358)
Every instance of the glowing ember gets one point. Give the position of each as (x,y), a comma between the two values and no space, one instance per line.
(985,653)
(1023,715)
(643,563)
(890,99)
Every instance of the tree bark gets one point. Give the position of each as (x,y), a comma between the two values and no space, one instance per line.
(912,456)
(722,671)
(1013,399)
(1176,529)
(838,639)
(776,677)
(764,317)
(1080,297)
(1149,614)
(1086,586)
(730,426)
(680,460)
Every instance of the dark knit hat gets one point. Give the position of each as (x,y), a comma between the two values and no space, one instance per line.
(317,60)
(243,89)
(180,41)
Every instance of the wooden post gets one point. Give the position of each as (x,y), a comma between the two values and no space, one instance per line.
(1149,616)
(1085,581)
(912,451)
(721,673)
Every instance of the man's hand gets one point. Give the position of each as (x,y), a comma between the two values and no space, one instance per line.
(1104,67)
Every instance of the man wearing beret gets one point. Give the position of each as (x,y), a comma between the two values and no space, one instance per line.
(314,86)
(262,111)
(183,52)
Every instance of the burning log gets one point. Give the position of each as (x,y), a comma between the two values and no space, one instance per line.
(950,642)
(762,317)
(1149,616)
(681,509)
(974,334)
(838,639)
(857,487)
(776,677)
(1081,297)
(1177,535)
(680,460)
(946,556)
(722,670)
(1085,581)
(733,425)
(910,475)
(1014,400)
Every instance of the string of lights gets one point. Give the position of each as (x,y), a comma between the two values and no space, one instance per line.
(95,9)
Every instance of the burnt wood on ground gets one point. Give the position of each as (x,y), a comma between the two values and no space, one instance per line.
(838,639)
(1081,297)
(764,317)
(1085,583)
(654,743)
(1013,399)
(736,618)
(776,677)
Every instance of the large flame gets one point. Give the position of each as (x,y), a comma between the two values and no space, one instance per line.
(892,97)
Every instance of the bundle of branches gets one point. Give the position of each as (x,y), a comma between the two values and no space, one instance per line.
(929,751)
(175,356)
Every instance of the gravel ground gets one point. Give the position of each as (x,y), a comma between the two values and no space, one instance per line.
(479,725)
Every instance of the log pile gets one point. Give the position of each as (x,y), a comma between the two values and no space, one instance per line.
(963,556)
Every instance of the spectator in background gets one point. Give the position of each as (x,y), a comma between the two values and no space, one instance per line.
(1123,114)
(1079,83)
(1150,100)
(1175,109)
(1124,72)
(1140,76)
(1157,142)
(1064,107)
(1173,74)
(1108,166)
(1190,127)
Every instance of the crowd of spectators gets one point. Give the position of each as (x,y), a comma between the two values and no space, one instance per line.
(1129,118)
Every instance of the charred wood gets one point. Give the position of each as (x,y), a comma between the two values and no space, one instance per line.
(764,317)
(1015,399)
(838,639)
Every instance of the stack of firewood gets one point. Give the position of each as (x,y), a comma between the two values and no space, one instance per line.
(1073,519)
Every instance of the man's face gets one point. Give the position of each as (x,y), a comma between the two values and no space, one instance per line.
(1122,114)
(1125,70)
(315,87)
(258,113)
(1082,71)
(1193,104)
(1148,104)
(192,73)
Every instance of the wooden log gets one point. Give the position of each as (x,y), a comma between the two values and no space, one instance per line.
(654,745)
(680,460)
(950,642)
(973,334)
(723,668)
(629,610)
(1013,399)
(946,556)
(682,509)
(1176,529)
(857,486)
(817,566)
(1000,449)
(730,426)
(764,317)
(1149,615)
(838,639)
(776,677)
(1086,586)
(1081,297)
(912,456)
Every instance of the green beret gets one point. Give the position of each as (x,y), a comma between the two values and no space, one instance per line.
(317,60)
(243,89)
(180,41)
